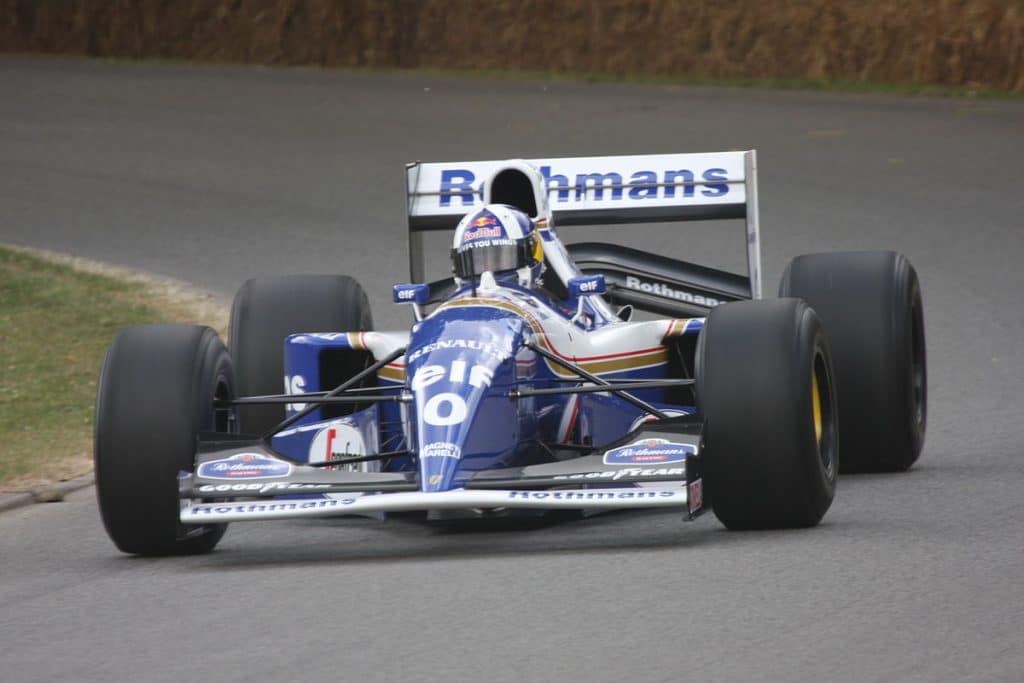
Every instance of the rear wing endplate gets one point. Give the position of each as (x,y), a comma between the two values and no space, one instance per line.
(599,191)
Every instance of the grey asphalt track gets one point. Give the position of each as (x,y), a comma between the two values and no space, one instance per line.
(213,175)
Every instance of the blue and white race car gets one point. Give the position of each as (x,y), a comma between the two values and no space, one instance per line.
(524,384)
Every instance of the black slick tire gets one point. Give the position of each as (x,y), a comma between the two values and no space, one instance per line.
(765,390)
(265,311)
(870,306)
(156,392)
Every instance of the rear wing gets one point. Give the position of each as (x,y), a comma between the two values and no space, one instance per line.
(598,191)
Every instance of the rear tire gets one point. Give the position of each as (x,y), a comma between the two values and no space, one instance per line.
(265,311)
(156,392)
(870,305)
(764,387)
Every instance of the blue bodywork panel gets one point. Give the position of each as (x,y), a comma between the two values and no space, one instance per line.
(460,366)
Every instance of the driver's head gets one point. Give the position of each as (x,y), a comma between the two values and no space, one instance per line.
(500,239)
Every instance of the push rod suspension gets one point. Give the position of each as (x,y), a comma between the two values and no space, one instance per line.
(357,458)
(614,389)
(306,398)
(288,422)
(602,388)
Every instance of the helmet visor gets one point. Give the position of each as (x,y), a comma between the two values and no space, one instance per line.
(473,261)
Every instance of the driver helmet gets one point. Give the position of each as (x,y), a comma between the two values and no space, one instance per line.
(500,239)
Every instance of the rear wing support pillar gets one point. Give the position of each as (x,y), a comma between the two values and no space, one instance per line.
(753,224)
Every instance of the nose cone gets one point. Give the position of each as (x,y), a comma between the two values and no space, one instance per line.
(461,371)
(439,462)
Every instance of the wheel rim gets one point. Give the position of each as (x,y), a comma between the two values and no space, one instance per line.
(823,413)
(222,420)
(918,378)
(223,417)
(816,407)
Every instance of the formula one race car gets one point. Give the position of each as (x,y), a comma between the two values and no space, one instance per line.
(524,385)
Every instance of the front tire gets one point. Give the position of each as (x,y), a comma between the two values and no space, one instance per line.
(156,393)
(870,305)
(764,387)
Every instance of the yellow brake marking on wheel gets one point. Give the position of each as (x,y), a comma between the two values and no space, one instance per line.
(816,401)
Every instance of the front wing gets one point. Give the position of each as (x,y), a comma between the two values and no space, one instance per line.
(196,512)
(238,479)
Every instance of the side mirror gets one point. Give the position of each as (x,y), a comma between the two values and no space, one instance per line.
(580,287)
(585,285)
(415,294)
(411,294)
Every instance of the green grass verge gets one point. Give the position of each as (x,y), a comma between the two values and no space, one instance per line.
(55,325)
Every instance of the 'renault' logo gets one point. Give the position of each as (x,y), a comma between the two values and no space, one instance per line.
(245,466)
(648,451)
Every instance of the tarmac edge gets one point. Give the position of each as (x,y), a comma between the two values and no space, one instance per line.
(47,493)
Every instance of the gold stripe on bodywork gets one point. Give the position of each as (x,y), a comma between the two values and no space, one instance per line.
(355,340)
(657,356)
(392,373)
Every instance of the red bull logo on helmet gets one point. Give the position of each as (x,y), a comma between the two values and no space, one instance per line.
(484,227)
(483,233)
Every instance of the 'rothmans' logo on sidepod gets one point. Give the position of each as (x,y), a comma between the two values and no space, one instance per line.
(245,466)
(663,290)
(648,451)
